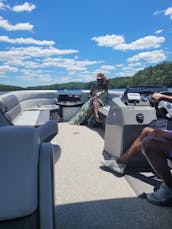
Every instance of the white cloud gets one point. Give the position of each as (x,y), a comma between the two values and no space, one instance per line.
(109,40)
(150,57)
(32,52)
(158,12)
(2,5)
(117,42)
(64,79)
(2,75)
(68,64)
(129,70)
(108,67)
(105,69)
(6,68)
(18,8)
(134,64)
(76,57)
(76,74)
(27,78)
(19,26)
(22,40)
(158,31)
(145,43)
(168,12)
(25,7)
(37,58)
(128,73)
(83,76)
(35,76)
(112,41)
(27,64)
(43,52)
(119,65)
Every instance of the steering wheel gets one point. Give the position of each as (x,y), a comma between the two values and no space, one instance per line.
(164,108)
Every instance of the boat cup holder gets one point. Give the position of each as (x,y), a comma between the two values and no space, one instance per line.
(139,118)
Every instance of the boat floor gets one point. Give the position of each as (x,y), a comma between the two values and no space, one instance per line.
(87,196)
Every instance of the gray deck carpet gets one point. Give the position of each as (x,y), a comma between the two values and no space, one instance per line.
(88,197)
(142,181)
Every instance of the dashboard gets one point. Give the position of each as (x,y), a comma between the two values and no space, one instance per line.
(140,95)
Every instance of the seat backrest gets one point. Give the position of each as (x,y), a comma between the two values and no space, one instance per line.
(3,120)
(19,153)
(11,106)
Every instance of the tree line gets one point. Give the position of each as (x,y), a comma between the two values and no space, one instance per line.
(161,74)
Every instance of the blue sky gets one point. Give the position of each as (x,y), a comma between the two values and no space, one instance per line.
(58,41)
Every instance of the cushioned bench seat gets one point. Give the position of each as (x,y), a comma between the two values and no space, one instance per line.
(30,108)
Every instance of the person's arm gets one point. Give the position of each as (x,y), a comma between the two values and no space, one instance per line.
(156,97)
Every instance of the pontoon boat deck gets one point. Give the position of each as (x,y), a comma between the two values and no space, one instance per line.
(88,195)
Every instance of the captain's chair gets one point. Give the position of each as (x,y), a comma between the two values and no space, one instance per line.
(26,179)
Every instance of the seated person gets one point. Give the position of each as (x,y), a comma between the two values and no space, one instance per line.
(98,97)
(156,146)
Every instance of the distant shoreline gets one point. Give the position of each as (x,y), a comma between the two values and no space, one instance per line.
(78,91)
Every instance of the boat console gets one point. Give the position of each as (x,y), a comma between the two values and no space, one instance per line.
(129,114)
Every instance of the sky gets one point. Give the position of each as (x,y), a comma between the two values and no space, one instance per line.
(59,41)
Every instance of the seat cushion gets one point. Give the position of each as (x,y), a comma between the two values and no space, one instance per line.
(32,118)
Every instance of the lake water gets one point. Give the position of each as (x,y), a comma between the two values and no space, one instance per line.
(63,92)
(79,91)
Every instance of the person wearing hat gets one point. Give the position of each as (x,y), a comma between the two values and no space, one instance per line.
(99,93)
(98,97)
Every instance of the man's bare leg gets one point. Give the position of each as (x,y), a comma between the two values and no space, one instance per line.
(89,113)
(156,151)
(96,106)
(118,165)
(135,147)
